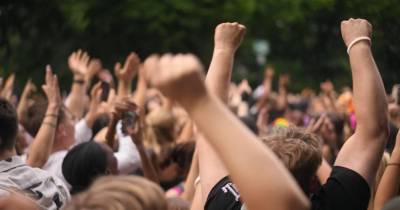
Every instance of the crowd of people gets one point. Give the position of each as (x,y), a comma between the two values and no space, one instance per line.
(183,140)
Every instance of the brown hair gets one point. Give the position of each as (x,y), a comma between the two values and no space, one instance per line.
(36,113)
(299,151)
(120,193)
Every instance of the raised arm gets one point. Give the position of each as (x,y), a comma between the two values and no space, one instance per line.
(227,39)
(126,73)
(136,133)
(388,187)
(24,100)
(263,181)
(363,151)
(42,145)
(282,100)
(83,69)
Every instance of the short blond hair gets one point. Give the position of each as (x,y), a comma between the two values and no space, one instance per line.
(298,150)
(120,193)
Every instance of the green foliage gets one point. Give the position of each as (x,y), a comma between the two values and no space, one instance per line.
(304,35)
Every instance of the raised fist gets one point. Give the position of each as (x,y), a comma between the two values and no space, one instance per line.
(228,36)
(179,77)
(354,28)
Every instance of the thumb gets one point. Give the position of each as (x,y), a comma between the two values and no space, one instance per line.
(117,67)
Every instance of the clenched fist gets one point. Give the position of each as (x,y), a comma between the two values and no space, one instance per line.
(354,28)
(179,77)
(228,36)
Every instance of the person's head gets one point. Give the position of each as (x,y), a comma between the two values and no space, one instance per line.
(86,162)
(300,153)
(8,126)
(65,124)
(120,193)
(160,128)
(177,161)
(332,130)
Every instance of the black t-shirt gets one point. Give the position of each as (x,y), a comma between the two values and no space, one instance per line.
(344,190)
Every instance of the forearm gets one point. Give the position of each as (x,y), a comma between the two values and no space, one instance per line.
(219,74)
(110,135)
(75,101)
(124,88)
(256,160)
(22,107)
(369,93)
(90,118)
(140,94)
(197,202)
(148,168)
(282,97)
(388,187)
(190,189)
(186,133)
(42,145)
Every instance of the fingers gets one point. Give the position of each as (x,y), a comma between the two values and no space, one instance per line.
(117,68)
(96,88)
(49,76)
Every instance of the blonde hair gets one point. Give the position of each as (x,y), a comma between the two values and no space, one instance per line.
(120,193)
(160,128)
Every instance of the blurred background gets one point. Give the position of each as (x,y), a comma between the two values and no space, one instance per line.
(300,37)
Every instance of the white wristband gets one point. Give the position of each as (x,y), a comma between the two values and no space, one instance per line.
(361,38)
(197,181)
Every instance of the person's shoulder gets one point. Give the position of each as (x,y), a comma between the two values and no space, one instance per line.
(344,189)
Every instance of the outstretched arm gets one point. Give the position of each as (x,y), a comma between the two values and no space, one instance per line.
(256,171)
(363,151)
(42,145)
(83,69)
(388,187)
(227,39)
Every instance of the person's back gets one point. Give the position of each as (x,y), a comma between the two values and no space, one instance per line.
(46,190)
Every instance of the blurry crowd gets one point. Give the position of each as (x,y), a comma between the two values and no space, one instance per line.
(157,134)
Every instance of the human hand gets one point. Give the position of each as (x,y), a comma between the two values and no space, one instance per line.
(315,124)
(244,87)
(93,68)
(284,80)
(269,73)
(178,77)
(7,90)
(51,88)
(354,28)
(29,88)
(78,62)
(82,66)
(228,36)
(95,99)
(130,68)
(327,87)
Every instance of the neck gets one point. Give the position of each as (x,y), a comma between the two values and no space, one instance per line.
(7,154)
